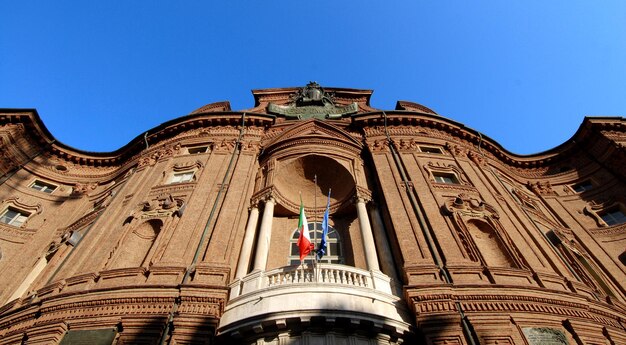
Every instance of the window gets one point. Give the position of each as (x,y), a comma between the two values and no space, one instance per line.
(582,187)
(428,149)
(43,187)
(182,177)
(197,149)
(333,248)
(613,216)
(622,258)
(13,217)
(447,178)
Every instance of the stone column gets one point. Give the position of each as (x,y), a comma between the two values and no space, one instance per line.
(369,246)
(382,244)
(248,239)
(265,234)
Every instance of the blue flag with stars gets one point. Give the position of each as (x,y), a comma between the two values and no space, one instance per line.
(321,250)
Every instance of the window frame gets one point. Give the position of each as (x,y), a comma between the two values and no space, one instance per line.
(582,185)
(204,148)
(46,187)
(431,150)
(175,175)
(18,219)
(440,177)
(334,237)
(613,220)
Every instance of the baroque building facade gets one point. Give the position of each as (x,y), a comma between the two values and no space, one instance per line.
(187,235)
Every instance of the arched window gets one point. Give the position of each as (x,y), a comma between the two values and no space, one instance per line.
(333,251)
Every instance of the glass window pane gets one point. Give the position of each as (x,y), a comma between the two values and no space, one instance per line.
(614,217)
(428,149)
(582,187)
(43,187)
(182,177)
(13,217)
(19,220)
(8,216)
(333,249)
(197,149)
(445,178)
(333,254)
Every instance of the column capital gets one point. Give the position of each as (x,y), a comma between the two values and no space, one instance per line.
(264,195)
(362,195)
(254,204)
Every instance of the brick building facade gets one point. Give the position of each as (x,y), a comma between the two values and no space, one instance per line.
(187,235)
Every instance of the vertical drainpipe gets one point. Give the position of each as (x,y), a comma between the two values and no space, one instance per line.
(191,268)
(470,336)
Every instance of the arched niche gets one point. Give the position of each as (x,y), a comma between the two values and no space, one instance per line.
(298,175)
(135,247)
(299,151)
(489,245)
(481,235)
(294,180)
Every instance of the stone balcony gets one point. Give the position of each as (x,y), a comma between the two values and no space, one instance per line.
(273,299)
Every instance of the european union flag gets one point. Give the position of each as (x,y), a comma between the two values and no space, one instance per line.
(321,250)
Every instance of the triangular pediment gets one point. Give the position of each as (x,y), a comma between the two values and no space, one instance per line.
(314,131)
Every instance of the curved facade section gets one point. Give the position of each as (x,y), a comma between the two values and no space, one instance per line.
(185,235)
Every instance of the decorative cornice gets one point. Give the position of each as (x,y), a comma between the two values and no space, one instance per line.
(611,231)
(31,122)
(510,303)
(14,234)
(419,124)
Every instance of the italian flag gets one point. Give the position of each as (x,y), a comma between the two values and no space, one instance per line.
(304,241)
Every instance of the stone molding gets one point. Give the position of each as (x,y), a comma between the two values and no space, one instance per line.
(514,301)
(112,304)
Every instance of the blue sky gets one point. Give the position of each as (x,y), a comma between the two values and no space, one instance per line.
(525,73)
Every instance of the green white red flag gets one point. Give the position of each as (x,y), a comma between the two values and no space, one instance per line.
(304,240)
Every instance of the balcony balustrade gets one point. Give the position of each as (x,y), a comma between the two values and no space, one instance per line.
(263,298)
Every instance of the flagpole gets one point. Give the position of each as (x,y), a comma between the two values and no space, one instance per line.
(301,262)
(315,228)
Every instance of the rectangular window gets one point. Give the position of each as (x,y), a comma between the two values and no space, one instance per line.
(582,187)
(613,216)
(182,177)
(13,217)
(43,187)
(197,149)
(446,178)
(428,149)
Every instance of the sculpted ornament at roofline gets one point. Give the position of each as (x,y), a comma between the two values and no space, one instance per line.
(312,101)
